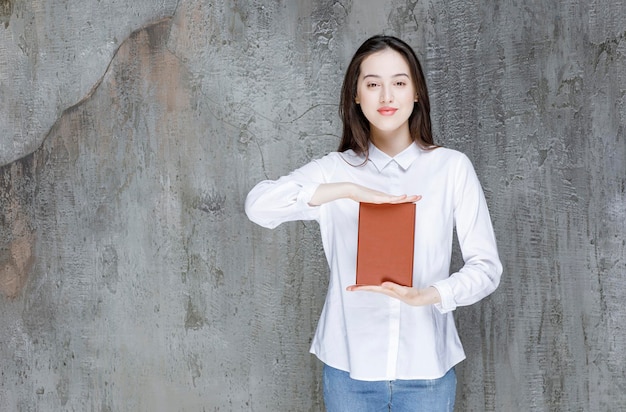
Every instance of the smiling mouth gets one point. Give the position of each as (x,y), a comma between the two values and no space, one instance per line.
(387,111)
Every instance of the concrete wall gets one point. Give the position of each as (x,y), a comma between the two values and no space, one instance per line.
(130,133)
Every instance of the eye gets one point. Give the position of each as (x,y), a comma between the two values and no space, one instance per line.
(401,83)
(371,85)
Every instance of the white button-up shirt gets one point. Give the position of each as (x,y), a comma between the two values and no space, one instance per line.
(370,335)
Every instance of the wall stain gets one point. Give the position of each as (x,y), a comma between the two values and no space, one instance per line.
(108,261)
(17,237)
(193,318)
(211,202)
(194,362)
(6,10)
(217,275)
(609,48)
(16,262)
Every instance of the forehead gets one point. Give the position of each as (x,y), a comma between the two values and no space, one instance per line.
(386,62)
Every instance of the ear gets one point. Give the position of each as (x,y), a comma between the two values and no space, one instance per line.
(357,100)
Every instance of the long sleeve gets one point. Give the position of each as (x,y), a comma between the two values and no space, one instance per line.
(481,272)
(272,202)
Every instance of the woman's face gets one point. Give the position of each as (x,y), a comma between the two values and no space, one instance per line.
(386,93)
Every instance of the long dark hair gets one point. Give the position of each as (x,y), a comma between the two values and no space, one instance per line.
(356,127)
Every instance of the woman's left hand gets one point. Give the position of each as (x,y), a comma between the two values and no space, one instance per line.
(409,295)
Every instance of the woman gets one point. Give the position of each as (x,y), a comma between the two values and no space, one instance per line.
(394,349)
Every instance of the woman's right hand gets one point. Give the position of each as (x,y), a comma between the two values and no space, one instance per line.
(327,192)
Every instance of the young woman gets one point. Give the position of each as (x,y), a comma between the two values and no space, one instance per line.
(394,349)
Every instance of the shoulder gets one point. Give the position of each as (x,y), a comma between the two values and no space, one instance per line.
(446,153)
(334,159)
(323,168)
(449,157)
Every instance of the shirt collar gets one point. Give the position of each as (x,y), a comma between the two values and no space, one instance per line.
(404,159)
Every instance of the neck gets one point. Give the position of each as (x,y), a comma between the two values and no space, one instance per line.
(391,143)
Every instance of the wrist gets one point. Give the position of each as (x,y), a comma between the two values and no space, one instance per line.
(349,191)
(431,295)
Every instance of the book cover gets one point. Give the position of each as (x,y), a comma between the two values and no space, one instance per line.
(385,243)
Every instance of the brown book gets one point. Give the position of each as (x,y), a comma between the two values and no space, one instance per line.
(386,244)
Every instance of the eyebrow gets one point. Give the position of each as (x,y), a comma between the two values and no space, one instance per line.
(378,77)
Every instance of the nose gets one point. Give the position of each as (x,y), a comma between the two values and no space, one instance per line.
(385,95)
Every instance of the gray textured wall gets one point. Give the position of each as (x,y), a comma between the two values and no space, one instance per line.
(130,133)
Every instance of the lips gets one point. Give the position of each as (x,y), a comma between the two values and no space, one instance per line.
(387,111)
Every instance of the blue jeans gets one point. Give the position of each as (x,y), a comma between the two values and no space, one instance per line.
(344,394)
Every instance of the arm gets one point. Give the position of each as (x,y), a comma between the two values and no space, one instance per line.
(327,192)
(272,202)
(409,295)
(480,275)
(298,195)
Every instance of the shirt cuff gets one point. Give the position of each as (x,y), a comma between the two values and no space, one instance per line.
(306,193)
(447,303)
